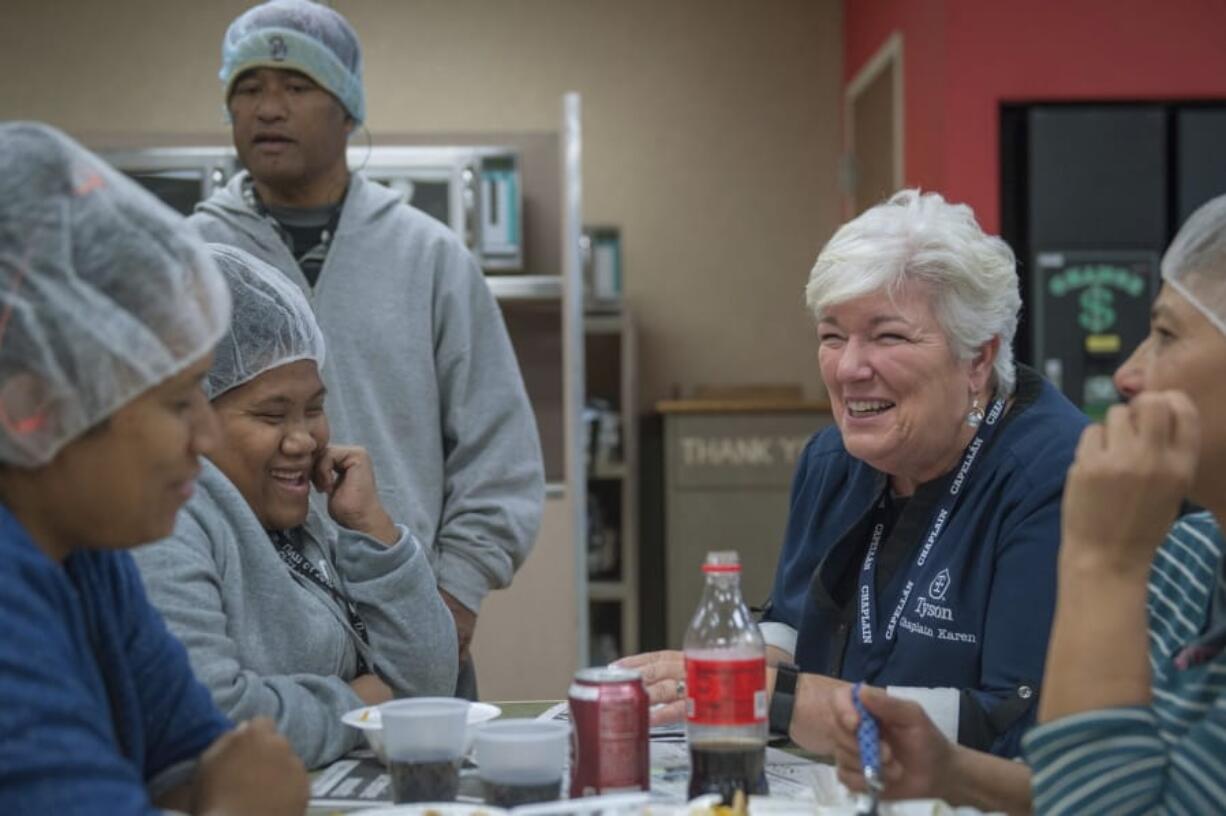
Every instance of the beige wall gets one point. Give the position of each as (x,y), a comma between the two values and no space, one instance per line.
(710,138)
(527,641)
(711,131)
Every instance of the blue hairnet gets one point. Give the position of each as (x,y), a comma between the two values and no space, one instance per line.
(298,35)
(104,292)
(272,323)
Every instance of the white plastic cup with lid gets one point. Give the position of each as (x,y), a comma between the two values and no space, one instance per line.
(521,761)
(424,737)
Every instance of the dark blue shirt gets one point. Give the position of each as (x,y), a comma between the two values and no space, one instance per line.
(96,698)
(979,611)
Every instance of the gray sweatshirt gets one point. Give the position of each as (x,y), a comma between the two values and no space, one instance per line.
(421,373)
(267,641)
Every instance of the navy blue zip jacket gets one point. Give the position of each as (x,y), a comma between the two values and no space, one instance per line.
(979,609)
(100,707)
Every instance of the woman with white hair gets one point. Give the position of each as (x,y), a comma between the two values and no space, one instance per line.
(920,550)
(109,311)
(1134,715)
(292,609)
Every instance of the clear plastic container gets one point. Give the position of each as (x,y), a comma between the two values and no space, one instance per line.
(424,737)
(521,761)
(424,728)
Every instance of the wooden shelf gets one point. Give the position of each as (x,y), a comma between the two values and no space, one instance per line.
(525,287)
(608,473)
(602,323)
(608,591)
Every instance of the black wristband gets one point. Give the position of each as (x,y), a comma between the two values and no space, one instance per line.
(783,699)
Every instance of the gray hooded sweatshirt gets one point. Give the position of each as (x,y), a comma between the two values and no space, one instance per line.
(421,373)
(269,642)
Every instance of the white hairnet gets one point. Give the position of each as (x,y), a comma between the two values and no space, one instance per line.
(272,323)
(104,292)
(299,35)
(1195,263)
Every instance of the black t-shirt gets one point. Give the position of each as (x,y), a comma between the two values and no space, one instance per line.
(890,552)
(307,231)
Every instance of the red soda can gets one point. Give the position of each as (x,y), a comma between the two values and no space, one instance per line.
(608,707)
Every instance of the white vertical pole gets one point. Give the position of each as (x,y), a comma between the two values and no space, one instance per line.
(573,352)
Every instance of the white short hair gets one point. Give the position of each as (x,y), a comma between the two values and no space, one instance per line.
(922,238)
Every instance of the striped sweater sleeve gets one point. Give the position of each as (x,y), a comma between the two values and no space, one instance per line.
(1167,757)
(1117,761)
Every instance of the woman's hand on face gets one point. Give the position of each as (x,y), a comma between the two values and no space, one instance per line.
(251,770)
(1126,483)
(664,676)
(915,757)
(346,474)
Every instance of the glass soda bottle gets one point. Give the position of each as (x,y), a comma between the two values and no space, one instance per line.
(725,688)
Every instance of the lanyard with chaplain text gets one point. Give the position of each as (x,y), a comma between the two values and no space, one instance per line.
(866,598)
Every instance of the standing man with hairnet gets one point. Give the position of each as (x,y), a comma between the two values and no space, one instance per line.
(421,371)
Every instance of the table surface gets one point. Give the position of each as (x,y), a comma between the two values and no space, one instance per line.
(521,709)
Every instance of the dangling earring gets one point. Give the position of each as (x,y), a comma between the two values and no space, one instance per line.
(974,417)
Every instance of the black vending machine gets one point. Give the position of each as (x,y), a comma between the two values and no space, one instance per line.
(1091,309)
(1091,195)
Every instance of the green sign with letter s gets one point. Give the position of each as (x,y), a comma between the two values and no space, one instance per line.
(1099,284)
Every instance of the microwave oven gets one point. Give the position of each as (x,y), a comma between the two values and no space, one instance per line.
(476,191)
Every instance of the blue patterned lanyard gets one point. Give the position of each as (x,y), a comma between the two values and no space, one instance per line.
(867,595)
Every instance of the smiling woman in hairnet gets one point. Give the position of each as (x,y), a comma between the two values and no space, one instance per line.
(289,609)
(109,309)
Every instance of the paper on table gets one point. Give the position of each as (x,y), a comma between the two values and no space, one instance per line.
(557,711)
(358,779)
(362,780)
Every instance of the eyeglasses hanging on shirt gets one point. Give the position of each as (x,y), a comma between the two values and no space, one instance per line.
(307,232)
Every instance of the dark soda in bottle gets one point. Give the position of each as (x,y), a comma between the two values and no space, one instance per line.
(725,675)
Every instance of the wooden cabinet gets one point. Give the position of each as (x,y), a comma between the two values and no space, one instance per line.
(721,473)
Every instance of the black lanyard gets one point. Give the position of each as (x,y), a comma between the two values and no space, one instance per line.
(867,595)
(300,564)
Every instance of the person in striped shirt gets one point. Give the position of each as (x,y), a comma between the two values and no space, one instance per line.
(1129,722)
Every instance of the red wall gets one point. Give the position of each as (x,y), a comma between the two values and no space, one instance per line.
(962,58)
